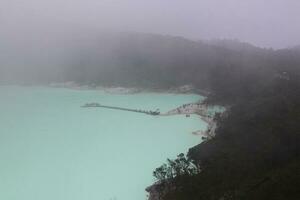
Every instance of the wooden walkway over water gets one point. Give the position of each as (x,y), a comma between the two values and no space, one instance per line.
(97,105)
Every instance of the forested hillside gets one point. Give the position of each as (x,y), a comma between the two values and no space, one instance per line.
(127,59)
(147,60)
(256,151)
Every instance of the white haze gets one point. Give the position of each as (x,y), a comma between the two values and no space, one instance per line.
(36,35)
(266,23)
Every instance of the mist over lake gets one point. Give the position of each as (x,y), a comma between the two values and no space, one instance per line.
(149,100)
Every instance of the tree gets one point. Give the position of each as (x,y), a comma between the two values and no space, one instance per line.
(181,166)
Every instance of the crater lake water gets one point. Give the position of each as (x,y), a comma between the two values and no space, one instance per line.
(52,149)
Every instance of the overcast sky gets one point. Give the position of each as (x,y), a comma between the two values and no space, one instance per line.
(267,23)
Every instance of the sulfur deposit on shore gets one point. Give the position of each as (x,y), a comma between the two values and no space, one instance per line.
(110,90)
(187,109)
(200,109)
(184,89)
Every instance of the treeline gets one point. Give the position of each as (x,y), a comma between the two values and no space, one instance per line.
(143,60)
(256,151)
(155,61)
(132,59)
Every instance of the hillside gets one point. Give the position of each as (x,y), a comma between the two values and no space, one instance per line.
(255,153)
(127,59)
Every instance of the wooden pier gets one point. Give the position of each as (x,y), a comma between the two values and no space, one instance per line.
(97,105)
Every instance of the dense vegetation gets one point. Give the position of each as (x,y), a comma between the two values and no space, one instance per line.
(255,153)
(126,59)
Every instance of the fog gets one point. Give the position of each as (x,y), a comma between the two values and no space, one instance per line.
(268,23)
(184,99)
(51,32)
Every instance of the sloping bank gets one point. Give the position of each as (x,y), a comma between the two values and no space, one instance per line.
(210,115)
(254,153)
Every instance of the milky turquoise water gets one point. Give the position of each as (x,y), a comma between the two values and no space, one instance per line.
(52,149)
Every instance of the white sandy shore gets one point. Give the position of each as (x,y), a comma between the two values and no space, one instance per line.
(201,110)
(185,89)
(111,90)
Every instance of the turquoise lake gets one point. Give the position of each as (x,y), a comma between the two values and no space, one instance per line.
(52,149)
